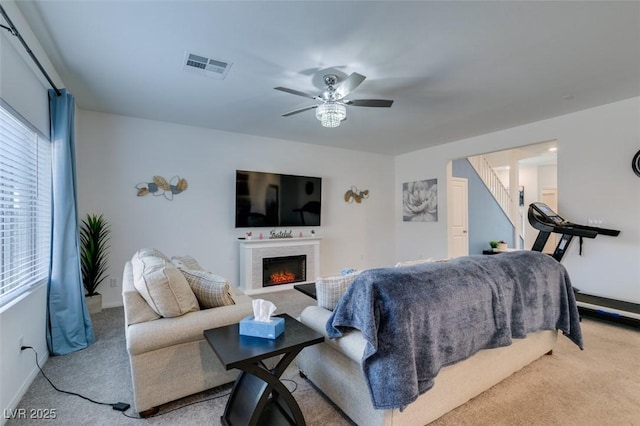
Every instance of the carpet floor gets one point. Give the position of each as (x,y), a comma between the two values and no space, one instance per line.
(597,386)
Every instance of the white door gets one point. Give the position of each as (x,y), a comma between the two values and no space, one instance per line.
(550,198)
(458,218)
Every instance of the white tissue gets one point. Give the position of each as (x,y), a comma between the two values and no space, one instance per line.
(262,310)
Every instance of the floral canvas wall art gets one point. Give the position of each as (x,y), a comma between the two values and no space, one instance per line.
(420,201)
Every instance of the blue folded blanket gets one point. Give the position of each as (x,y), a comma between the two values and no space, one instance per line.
(418,319)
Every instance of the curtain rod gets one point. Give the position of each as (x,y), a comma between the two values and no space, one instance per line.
(14,31)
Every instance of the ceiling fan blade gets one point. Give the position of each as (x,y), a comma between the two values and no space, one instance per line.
(349,84)
(296,92)
(299,110)
(385,103)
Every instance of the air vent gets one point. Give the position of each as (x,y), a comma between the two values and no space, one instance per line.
(206,66)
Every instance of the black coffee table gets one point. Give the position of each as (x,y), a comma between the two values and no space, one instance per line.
(309,289)
(258,396)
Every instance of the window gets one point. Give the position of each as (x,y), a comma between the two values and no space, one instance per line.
(25,205)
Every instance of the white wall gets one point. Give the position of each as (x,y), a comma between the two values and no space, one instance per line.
(595,181)
(114,153)
(25,90)
(24,318)
(22,85)
(547,177)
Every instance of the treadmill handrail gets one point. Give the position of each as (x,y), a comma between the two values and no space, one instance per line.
(603,231)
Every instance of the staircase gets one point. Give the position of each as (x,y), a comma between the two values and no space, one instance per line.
(495,186)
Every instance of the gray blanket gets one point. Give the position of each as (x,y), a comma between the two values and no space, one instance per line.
(418,319)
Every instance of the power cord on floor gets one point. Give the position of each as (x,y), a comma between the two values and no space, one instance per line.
(178,408)
(119,406)
(123,406)
(295,386)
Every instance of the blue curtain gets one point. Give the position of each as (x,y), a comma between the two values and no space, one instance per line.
(68,322)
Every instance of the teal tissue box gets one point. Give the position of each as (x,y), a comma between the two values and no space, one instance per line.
(266,330)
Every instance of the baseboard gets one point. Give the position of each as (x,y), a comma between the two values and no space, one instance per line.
(112,305)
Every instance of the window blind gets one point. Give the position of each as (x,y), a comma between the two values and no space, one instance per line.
(25,206)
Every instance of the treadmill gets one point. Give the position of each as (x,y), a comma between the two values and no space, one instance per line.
(545,220)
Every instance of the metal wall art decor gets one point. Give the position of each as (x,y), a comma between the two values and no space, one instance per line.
(420,201)
(635,163)
(354,194)
(160,186)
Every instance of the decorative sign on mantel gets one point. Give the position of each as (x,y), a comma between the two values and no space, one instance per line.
(280,234)
(277,235)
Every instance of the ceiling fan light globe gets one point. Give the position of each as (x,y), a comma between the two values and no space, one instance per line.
(331,114)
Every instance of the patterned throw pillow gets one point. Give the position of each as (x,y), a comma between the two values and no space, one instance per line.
(330,289)
(186,262)
(211,290)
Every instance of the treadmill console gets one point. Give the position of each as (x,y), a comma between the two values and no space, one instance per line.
(545,212)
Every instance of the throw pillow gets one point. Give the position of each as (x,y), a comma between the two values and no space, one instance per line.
(330,289)
(186,262)
(163,286)
(211,290)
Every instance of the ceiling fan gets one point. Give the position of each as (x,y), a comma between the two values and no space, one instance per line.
(331,110)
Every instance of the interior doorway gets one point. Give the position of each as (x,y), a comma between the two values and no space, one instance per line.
(458,218)
(525,171)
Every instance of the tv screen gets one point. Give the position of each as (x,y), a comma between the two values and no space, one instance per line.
(272,199)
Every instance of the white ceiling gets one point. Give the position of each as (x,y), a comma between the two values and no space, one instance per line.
(454,69)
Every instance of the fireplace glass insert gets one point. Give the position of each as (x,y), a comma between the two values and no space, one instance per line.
(284,270)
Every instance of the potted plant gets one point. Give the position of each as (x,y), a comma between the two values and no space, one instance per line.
(498,245)
(94,238)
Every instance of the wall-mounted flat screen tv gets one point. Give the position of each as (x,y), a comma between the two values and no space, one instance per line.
(273,199)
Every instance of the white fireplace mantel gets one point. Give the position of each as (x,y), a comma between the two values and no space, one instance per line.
(253,251)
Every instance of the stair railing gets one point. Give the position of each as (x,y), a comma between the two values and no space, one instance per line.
(494,184)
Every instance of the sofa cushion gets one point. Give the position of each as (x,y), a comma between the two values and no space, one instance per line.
(136,309)
(330,289)
(146,252)
(420,261)
(414,262)
(163,286)
(186,262)
(211,290)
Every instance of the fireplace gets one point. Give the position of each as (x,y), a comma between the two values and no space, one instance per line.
(284,270)
(253,252)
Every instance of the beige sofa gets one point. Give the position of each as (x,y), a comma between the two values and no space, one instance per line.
(531,287)
(169,357)
(334,367)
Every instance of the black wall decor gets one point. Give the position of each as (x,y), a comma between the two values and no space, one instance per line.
(635,163)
